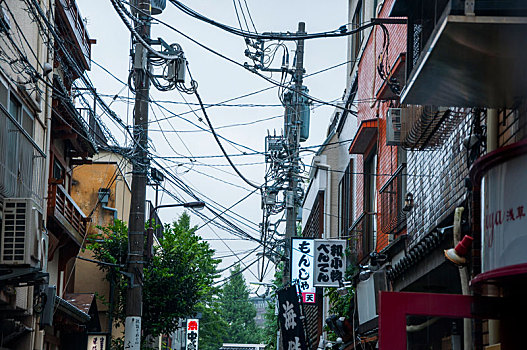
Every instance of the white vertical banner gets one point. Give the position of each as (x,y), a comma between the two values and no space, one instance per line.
(192,333)
(132,333)
(330,265)
(302,267)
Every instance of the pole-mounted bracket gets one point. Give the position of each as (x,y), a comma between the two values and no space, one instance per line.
(131,276)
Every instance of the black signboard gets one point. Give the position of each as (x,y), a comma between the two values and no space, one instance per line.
(291,326)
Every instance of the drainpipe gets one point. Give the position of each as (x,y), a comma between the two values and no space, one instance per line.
(112,288)
(327,221)
(492,129)
(492,144)
(115,211)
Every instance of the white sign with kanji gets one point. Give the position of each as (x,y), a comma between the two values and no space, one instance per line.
(302,267)
(192,333)
(96,342)
(132,334)
(330,265)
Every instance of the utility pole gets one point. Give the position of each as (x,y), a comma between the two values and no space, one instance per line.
(136,227)
(292,130)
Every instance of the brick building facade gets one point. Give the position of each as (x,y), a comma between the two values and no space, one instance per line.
(439,103)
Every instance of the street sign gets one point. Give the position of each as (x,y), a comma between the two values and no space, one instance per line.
(302,269)
(96,342)
(329,262)
(192,333)
(291,326)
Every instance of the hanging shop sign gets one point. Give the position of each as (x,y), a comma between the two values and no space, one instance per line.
(503,215)
(96,342)
(302,267)
(291,325)
(192,333)
(329,262)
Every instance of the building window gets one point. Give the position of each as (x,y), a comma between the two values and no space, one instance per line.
(19,112)
(15,108)
(346,200)
(58,170)
(356,39)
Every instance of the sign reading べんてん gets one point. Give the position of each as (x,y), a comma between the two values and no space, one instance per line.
(329,262)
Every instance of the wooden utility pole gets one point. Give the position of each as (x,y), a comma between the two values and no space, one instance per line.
(136,227)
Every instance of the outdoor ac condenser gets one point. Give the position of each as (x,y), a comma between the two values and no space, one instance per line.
(22,240)
(393,126)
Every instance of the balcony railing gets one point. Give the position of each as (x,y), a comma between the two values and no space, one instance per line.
(64,210)
(392,216)
(69,13)
(21,161)
(358,238)
(428,127)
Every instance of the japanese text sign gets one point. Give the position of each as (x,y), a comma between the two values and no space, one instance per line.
(291,326)
(504,215)
(96,342)
(302,269)
(132,334)
(192,333)
(329,262)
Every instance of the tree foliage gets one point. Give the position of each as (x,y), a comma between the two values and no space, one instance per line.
(213,328)
(271,325)
(176,279)
(238,311)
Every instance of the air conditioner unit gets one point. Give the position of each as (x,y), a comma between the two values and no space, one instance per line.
(23,242)
(24,299)
(393,126)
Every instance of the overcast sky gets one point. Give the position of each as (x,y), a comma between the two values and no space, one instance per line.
(220,80)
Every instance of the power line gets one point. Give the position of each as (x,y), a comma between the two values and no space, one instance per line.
(250,183)
(341,31)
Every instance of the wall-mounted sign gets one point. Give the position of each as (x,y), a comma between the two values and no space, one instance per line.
(192,333)
(96,342)
(302,267)
(503,215)
(329,262)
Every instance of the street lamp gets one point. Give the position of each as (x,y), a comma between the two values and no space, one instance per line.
(150,230)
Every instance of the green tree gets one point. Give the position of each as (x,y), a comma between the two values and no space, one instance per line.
(271,320)
(238,311)
(176,279)
(213,328)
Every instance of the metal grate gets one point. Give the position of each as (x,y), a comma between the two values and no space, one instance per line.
(14,232)
(512,124)
(315,223)
(21,161)
(428,127)
(392,216)
(357,242)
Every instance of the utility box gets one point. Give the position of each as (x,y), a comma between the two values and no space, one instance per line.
(303,120)
(305,114)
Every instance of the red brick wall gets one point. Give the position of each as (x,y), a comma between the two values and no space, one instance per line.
(369,82)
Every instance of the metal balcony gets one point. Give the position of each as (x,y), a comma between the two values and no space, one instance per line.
(66,213)
(392,216)
(465,57)
(70,24)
